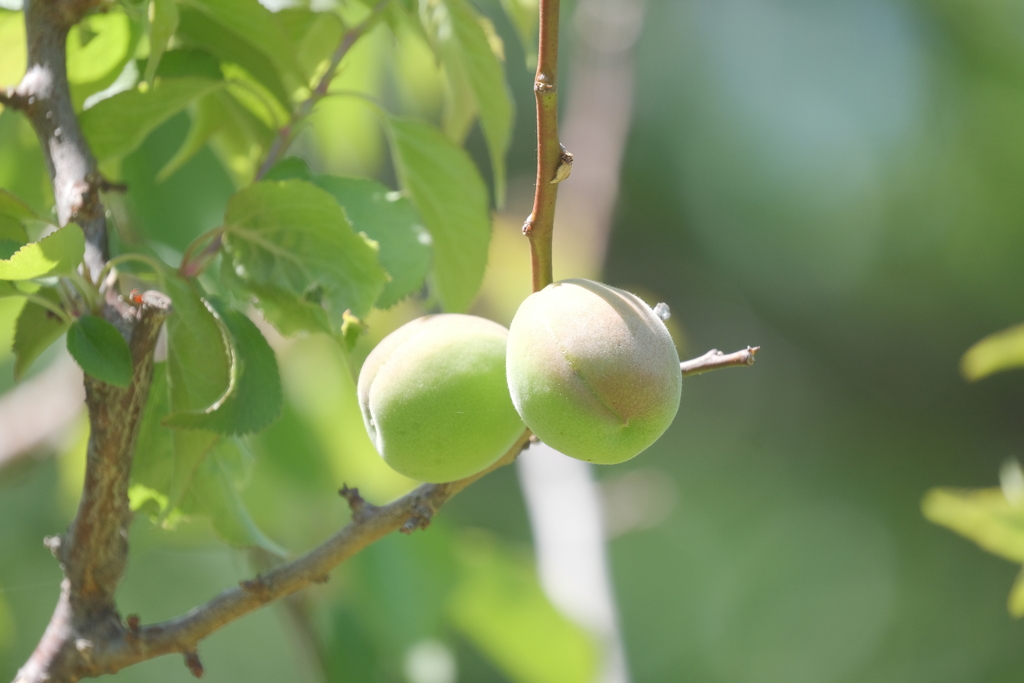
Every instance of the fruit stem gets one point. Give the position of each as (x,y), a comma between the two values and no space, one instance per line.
(716,360)
(539,227)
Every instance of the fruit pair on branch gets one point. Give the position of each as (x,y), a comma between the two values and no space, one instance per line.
(590,369)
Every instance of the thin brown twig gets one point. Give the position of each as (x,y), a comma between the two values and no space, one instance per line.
(287,132)
(553,160)
(368,524)
(716,360)
(9,97)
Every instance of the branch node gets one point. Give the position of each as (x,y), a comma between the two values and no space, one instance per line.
(564,168)
(752,354)
(542,84)
(195,666)
(55,544)
(257,586)
(528,225)
(356,503)
(420,519)
(716,360)
(10,97)
(322,579)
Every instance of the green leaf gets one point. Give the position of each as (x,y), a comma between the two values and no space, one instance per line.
(100,350)
(198,376)
(37,328)
(985,516)
(59,253)
(460,109)
(288,314)
(214,492)
(98,47)
(12,236)
(210,116)
(291,238)
(163,22)
(153,466)
(403,586)
(8,289)
(995,353)
(499,607)
(1015,603)
(389,219)
(12,57)
(384,216)
(249,21)
(523,15)
(198,356)
(290,168)
(11,206)
(315,35)
(12,230)
(188,62)
(119,124)
(254,398)
(446,189)
(486,76)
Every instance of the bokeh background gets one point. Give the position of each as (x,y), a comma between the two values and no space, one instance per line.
(838,181)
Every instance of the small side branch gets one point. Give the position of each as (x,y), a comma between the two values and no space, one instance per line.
(716,360)
(554,162)
(287,132)
(369,523)
(9,97)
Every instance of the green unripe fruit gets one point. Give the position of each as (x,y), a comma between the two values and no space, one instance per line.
(434,398)
(592,370)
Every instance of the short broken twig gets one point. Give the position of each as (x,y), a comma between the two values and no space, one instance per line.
(716,360)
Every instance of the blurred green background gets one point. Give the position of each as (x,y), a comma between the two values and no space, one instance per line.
(838,181)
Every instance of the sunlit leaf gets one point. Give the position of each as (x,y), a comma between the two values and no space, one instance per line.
(254,396)
(100,350)
(251,23)
(486,78)
(1015,603)
(389,219)
(460,109)
(12,236)
(446,189)
(11,206)
(59,253)
(153,466)
(198,375)
(98,47)
(984,516)
(498,606)
(13,56)
(995,353)
(404,585)
(209,116)
(241,143)
(523,15)
(292,238)
(119,124)
(315,35)
(385,216)
(214,492)
(37,328)
(189,62)
(163,22)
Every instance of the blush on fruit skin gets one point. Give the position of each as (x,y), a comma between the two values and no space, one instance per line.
(593,371)
(434,398)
